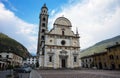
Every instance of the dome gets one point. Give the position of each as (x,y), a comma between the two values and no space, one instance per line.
(62,21)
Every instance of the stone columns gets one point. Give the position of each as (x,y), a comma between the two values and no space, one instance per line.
(45,57)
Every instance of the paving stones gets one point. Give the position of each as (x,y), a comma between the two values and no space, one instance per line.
(76,74)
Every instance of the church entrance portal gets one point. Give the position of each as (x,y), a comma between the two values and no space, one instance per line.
(63,59)
(63,63)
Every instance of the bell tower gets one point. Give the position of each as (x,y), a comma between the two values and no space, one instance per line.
(43,23)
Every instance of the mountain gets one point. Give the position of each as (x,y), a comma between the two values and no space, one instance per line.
(100,46)
(8,44)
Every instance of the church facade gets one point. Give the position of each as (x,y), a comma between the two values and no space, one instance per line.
(59,47)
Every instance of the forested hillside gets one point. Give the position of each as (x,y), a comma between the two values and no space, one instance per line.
(100,47)
(8,44)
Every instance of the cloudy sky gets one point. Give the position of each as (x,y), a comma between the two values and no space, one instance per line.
(96,20)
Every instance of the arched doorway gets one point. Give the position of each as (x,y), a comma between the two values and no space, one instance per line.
(63,63)
(100,65)
(63,59)
(112,66)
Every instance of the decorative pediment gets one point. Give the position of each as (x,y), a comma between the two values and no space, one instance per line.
(62,21)
(50,53)
(63,52)
(75,53)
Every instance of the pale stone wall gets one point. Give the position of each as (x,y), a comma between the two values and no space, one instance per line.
(61,31)
(56,62)
(57,30)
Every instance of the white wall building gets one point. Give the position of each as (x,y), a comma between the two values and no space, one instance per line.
(11,58)
(31,60)
(87,61)
(59,47)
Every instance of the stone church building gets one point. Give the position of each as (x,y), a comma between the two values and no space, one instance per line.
(59,47)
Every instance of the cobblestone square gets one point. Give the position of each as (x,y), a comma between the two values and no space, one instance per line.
(74,74)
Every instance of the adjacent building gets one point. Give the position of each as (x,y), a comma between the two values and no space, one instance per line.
(8,58)
(59,47)
(100,60)
(30,61)
(87,61)
(114,56)
(103,60)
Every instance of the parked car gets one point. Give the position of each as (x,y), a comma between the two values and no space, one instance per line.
(19,70)
(27,69)
(23,70)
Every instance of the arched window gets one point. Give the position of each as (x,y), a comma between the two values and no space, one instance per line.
(50,58)
(7,56)
(43,37)
(43,24)
(43,30)
(44,10)
(75,58)
(43,19)
(111,57)
(63,32)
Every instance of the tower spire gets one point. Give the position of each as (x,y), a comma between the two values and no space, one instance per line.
(43,23)
(77,34)
(76,30)
(44,6)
